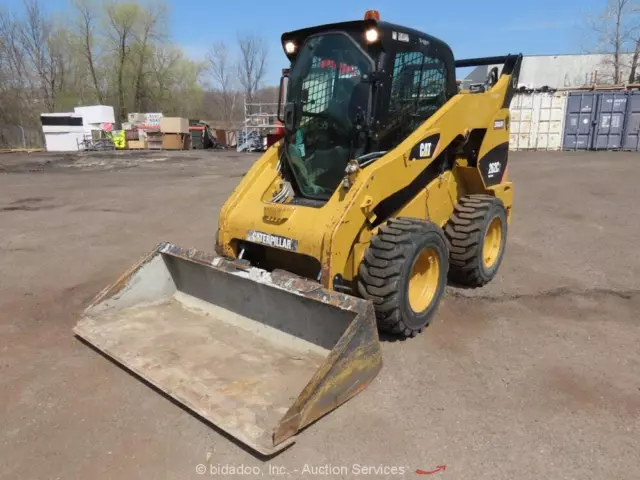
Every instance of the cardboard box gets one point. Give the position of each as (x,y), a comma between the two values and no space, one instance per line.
(221,137)
(137,144)
(173,141)
(174,125)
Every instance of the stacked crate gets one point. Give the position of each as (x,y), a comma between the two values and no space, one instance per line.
(175,133)
(154,140)
(197,132)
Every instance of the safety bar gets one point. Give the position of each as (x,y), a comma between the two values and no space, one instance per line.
(509,61)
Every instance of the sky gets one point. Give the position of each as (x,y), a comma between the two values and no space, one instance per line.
(472,28)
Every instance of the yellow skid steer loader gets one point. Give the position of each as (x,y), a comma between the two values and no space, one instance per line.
(389,180)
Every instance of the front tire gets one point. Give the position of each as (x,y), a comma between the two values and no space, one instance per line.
(404,274)
(476,237)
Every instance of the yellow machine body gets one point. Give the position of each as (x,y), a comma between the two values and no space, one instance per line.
(338,233)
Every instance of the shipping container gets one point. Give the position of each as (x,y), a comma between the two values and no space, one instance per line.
(580,120)
(537,121)
(610,120)
(521,111)
(550,121)
(632,124)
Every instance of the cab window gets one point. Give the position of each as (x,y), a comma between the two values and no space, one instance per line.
(418,90)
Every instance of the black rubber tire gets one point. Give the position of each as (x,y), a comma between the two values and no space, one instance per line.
(385,272)
(465,234)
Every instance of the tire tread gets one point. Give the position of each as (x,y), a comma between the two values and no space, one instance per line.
(380,271)
(464,233)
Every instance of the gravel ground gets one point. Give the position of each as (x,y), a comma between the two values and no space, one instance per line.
(535,376)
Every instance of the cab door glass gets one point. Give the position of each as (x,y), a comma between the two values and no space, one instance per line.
(418,90)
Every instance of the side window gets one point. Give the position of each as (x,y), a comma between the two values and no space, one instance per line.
(418,90)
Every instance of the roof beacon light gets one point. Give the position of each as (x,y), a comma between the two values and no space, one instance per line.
(289,47)
(372,15)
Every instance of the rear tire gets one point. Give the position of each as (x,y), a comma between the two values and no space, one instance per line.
(476,237)
(404,274)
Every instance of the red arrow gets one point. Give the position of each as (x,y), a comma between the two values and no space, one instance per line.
(439,468)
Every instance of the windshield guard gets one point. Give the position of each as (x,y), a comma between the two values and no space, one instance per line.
(331,101)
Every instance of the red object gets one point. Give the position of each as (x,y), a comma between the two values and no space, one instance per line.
(439,468)
(274,138)
(344,68)
(327,64)
(196,127)
(372,15)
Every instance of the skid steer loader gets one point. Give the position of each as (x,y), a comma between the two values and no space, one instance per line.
(389,180)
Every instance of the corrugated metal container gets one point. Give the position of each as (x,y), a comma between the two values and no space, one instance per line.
(579,123)
(550,121)
(537,121)
(521,111)
(632,124)
(610,120)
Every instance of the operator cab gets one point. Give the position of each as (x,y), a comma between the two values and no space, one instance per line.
(355,90)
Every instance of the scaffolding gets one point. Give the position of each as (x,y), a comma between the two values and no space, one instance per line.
(260,119)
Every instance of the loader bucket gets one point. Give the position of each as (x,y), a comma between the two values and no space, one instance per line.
(260,355)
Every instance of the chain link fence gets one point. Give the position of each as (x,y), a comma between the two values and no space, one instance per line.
(17,136)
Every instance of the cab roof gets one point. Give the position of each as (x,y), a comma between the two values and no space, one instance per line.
(299,36)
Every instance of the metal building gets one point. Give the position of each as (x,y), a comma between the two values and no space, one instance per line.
(559,71)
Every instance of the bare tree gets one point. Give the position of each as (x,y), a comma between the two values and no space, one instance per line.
(86,26)
(122,18)
(163,62)
(43,53)
(634,61)
(634,37)
(151,22)
(252,64)
(223,73)
(13,83)
(614,29)
(12,62)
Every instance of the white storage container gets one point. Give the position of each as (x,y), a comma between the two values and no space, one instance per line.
(537,121)
(96,114)
(63,132)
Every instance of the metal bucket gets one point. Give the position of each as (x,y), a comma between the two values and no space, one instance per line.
(260,355)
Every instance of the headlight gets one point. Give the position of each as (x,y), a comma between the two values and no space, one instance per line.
(289,47)
(372,35)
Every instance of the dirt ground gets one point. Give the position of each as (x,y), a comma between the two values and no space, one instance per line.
(535,376)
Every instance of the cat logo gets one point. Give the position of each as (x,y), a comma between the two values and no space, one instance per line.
(425,149)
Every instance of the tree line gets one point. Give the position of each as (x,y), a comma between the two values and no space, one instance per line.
(120,53)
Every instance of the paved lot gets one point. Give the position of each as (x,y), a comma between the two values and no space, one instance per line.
(535,376)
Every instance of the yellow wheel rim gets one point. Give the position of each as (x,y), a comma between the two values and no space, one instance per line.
(424,279)
(492,243)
